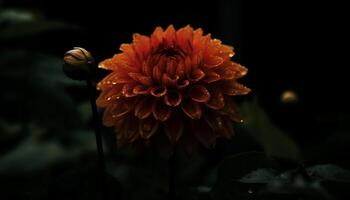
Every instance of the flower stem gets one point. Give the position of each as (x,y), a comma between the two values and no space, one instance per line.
(171,179)
(97,126)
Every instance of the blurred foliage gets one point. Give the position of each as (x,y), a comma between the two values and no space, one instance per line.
(47,147)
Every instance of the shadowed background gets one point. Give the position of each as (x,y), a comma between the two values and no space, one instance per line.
(45,119)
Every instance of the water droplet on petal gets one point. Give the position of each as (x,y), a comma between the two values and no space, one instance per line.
(109,98)
(231,54)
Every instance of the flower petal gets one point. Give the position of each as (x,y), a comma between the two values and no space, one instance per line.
(199,93)
(160,110)
(218,124)
(156,37)
(140,90)
(144,108)
(217,100)
(109,95)
(204,133)
(213,61)
(192,109)
(233,88)
(148,127)
(173,98)
(127,90)
(174,128)
(231,110)
(117,111)
(169,36)
(211,77)
(158,91)
(196,75)
(145,80)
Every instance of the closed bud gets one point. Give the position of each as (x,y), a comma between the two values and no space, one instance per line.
(78,63)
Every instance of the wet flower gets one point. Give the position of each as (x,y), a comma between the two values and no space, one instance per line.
(174,86)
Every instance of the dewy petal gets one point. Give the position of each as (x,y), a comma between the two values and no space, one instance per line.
(192,109)
(160,110)
(174,128)
(143,108)
(145,80)
(233,88)
(148,127)
(158,91)
(204,133)
(109,95)
(173,98)
(217,100)
(127,90)
(118,77)
(199,93)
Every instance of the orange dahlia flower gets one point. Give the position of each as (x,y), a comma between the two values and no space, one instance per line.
(176,84)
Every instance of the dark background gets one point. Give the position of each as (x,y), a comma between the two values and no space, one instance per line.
(286,45)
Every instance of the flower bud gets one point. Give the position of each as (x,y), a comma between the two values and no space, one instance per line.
(78,63)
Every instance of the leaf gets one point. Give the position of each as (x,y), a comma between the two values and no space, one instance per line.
(232,169)
(329,172)
(273,140)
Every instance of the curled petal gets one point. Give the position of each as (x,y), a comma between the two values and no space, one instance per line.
(160,110)
(234,88)
(127,90)
(211,77)
(140,90)
(192,109)
(199,93)
(181,84)
(173,98)
(217,100)
(158,91)
(174,128)
(196,75)
(167,81)
(144,108)
(148,127)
